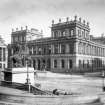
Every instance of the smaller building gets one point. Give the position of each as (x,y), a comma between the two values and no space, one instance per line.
(3,57)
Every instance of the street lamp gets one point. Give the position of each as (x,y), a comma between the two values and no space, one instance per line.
(103,75)
(27,79)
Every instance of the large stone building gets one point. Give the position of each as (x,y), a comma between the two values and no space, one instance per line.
(70,48)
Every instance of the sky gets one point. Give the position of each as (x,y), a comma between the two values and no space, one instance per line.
(39,14)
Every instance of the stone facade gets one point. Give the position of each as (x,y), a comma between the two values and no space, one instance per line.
(69,49)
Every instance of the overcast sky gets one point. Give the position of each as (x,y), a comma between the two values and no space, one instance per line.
(39,14)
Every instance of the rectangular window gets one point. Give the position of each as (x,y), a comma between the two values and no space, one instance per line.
(4,58)
(56,49)
(30,50)
(62,63)
(63,48)
(55,34)
(70,64)
(39,50)
(55,63)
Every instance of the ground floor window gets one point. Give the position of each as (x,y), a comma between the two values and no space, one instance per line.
(55,63)
(62,63)
(70,64)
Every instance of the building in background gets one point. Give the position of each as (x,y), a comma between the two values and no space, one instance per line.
(70,48)
(3,57)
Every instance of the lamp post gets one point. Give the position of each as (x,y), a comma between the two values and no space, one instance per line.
(103,75)
(27,79)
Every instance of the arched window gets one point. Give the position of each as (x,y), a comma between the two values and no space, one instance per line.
(72,32)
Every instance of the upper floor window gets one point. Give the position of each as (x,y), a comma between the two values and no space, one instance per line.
(30,50)
(4,58)
(15,39)
(72,32)
(55,34)
(82,33)
(79,32)
(39,50)
(59,33)
(63,48)
(63,33)
(56,49)
(67,32)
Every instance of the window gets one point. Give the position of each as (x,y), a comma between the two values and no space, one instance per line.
(59,33)
(55,34)
(72,32)
(63,48)
(62,63)
(67,32)
(39,50)
(52,34)
(15,39)
(55,63)
(34,50)
(56,49)
(82,33)
(70,64)
(4,54)
(64,33)
(30,50)
(79,32)
(87,63)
